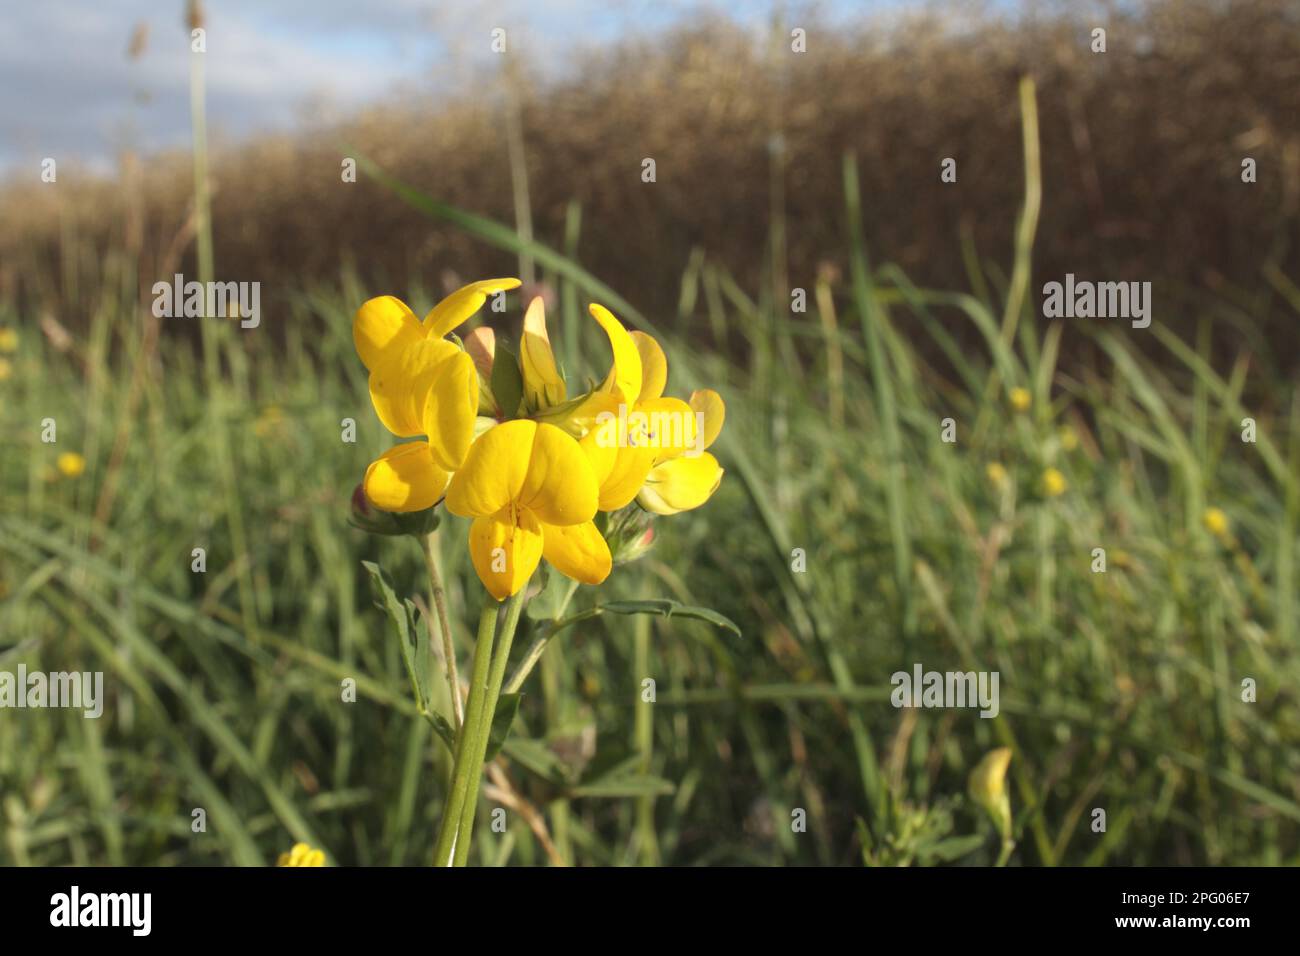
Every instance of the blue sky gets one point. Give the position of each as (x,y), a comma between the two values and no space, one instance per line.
(68,89)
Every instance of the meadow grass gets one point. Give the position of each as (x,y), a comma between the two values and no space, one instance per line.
(1120,690)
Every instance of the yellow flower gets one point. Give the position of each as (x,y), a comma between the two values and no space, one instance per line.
(6,369)
(8,339)
(1054,483)
(996,474)
(301,855)
(987,787)
(531,492)
(1216,522)
(421,384)
(1069,439)
(533,476)
(1020,399)
(658,442)
(680,480)
(70,464)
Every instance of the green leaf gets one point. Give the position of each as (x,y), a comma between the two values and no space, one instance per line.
(549,602)
(556,414)
(507,707)
(446,733)
(617,775)
(952,848)
(671,608)
(414,642)
(507,380)
(625,785)
(538,759)
(417,657)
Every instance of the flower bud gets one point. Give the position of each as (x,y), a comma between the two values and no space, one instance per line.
(630,534)
(365,516)
(987,786)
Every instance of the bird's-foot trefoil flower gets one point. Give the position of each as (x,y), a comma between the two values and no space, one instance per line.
(531,492)
(503,439)
(421,384)
(301,855)
(660,441)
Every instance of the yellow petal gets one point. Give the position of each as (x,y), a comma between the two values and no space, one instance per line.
(405,478)
(450,410)
(493,471)
(578,550)
(624,377)
(461,304)
(601,453)
(631,466)
(400,383)
(535,466)
(654,367)
(680,484)
(543,386)
(382,327)
(505,549)
(559,486)
(709,403)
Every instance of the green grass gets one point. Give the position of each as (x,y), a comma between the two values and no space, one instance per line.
(1120,690)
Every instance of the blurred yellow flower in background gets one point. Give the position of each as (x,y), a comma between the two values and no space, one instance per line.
(1054,483)
(1216,522)
(996,474)
(301,855)
(6,369)
(71,465)
(269,422)
(1020,399)
(8,339)
(987,787)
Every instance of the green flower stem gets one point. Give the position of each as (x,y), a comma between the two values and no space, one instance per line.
(438,595)
(466,741)
(1008,845)
(508,623)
